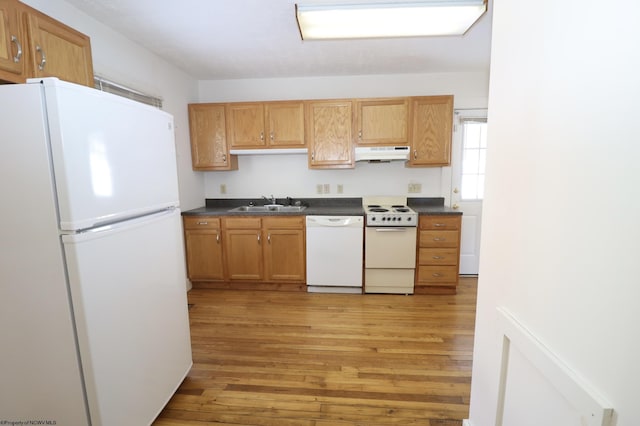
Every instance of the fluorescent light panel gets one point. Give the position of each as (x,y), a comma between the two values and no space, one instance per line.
(375,20)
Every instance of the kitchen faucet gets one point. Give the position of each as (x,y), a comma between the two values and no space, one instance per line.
(271,200)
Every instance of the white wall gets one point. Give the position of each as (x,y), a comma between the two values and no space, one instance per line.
(561,215)
(288,175)
(121,60)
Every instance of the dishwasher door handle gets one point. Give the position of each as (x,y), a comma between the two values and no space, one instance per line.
(334,221)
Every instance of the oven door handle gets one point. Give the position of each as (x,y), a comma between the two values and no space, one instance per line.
(391,229)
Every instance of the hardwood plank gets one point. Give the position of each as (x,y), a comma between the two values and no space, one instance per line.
(296,358)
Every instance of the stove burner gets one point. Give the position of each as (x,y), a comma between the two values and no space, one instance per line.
(401,209)
(378,210)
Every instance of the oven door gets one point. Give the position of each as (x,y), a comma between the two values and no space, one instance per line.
(390,247)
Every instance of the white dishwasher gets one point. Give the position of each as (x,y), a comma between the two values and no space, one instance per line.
(334,254)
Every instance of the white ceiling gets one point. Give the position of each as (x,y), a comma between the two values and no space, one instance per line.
(234,39)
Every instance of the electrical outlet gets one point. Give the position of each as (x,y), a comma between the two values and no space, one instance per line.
(319,188)
(327,188)
(339,189)
(223,188)
(414,188)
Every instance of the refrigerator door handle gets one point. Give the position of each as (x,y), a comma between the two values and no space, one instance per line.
(98,232)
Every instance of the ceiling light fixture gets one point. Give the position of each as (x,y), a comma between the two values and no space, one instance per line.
(399,19)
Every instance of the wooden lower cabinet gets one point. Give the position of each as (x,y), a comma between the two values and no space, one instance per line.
(243,248)
(284,251)
(438,262)
(203,244)
(268,250)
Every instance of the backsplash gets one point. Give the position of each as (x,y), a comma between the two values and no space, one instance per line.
(288,175)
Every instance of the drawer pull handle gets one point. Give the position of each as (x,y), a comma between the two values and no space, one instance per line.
(203,223)
(439,225)
(258,238)
(437,257)
(218,238)
(436,275)
(439,239)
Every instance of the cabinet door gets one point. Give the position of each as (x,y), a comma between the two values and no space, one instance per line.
(203,244)
(329,133)
(243,251)
(57,50)
(285,122)
(11,42)
(382,121)
(284,249)
(245,125)
(432,119)
(204,255)
(209,150)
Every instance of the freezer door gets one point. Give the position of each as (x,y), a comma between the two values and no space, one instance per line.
(128,293)
(113,158)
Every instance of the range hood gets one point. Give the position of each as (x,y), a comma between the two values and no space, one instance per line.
(382,153)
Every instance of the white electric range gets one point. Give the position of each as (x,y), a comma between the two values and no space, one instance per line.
(390,245)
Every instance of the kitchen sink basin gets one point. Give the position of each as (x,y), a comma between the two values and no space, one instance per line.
(275,208)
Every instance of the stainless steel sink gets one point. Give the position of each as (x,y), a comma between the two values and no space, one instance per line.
(275,208)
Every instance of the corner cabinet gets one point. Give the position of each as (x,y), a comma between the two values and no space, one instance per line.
(203,246)
(329,134)
(431,130)
(209,149)
(33,44)
(438,260)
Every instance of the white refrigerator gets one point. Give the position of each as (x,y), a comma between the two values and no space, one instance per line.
(94,326)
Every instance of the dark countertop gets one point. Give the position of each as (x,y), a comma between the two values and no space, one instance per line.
(315,207)
(431,206)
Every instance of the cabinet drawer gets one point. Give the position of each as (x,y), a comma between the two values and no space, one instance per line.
(289,222)
(438,256)
(439,239)
(201,222)
(445,275)
(241,223)
(440,222)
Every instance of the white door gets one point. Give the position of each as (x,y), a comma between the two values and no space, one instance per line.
(467,182)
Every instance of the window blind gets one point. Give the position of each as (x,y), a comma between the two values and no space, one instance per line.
(105,85)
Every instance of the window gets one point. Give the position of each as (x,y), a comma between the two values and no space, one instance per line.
(126,92)
(474,155)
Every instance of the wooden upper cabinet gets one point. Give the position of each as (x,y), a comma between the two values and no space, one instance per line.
(329,134)
(266,124)
(209,149)
(285,124)
(245,124)
(431,129)
(382,121)
(56,50)
(12,43)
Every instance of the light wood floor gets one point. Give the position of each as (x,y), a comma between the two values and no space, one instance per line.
(287,358)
